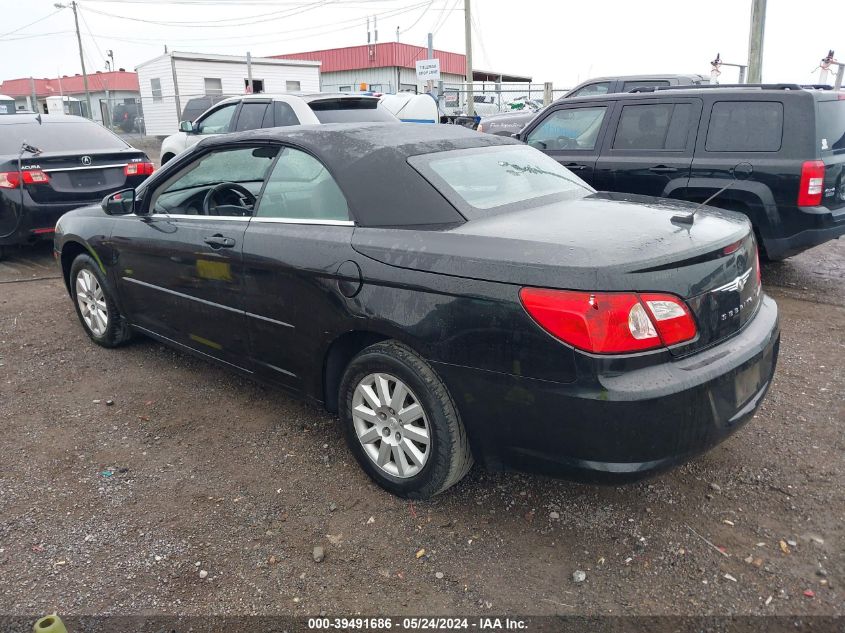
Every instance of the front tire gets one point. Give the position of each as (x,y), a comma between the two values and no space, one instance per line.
(94,304)
(401,423)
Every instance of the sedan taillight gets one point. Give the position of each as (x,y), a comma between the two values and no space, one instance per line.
(610,322)
(12,179)
(139,169)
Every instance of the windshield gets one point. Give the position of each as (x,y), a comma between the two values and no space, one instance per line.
(68,136)
(487,178)
(832,126)
(351,111)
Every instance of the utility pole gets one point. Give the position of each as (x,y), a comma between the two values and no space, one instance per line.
(81,55)
(755,41)
(468,36)
(249,73)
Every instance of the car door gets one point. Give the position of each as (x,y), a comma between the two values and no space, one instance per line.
(217,121)
(572,135)
(649,147)
(253,114)
(179,268)
(298,264)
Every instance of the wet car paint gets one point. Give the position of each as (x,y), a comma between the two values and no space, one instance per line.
(289,305)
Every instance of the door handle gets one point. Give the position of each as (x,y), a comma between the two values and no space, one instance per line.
(663,169)
(218,241)
(574,166)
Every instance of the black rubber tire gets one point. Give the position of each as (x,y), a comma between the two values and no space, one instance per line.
(451,457)
(118,331)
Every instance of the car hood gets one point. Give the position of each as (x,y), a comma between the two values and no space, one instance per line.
(606,241)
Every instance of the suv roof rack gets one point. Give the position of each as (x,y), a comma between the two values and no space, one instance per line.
(703,86)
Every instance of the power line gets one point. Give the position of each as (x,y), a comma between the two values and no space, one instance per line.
(417,21)
(21,28)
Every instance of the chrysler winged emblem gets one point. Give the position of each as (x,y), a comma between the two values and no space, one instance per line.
(737,284)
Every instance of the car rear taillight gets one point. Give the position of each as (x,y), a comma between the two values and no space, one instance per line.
(812,183)
(757,263)
(139,169)
(610,322)
(12,179)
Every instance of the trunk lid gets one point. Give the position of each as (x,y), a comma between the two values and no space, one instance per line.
(79,177)
(604,242)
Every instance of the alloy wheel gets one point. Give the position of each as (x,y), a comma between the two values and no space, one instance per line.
(92,302)
(391,425)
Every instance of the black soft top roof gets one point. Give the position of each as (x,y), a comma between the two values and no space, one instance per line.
(369,162)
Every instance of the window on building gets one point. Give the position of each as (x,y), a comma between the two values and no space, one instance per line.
(292,86)
(376,88)
(155,87)
(408,88)
(745,126)
(257,85)
(213,86)
(345,89)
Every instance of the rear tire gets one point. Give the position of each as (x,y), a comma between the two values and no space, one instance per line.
(401,423)
(95,307)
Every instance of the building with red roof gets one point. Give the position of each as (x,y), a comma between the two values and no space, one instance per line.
(391,67)
(107,89)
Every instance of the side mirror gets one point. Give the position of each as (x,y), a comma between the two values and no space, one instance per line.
(119,203)
(186,126)
(517,136)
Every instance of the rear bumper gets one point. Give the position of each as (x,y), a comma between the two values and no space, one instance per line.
(824,226)
(622,426)
(36,221)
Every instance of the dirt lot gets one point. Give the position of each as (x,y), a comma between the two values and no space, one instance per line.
(118,508)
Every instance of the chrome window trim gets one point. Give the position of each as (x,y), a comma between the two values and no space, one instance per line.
(265,220)
(49,171)
(186,216)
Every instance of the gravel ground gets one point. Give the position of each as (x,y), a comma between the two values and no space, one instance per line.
(197,492)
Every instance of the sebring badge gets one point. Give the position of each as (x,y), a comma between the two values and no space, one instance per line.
(86,160)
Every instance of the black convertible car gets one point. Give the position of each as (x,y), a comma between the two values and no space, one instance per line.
(451,295)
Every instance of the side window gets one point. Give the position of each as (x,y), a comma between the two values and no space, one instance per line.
(251,116)
(245,167)
(745,126)
(292,86)
(573,128)
(218,121)
(600,88)
(300,188)
(628,86)
(655,126)
(284,114)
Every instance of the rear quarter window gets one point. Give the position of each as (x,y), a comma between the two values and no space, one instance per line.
(745,126)
(831,126)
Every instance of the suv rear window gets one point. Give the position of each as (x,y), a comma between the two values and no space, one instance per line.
(831,126)
(68,136)
(745,126)
(351,111)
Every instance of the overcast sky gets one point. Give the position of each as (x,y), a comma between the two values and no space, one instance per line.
(564,41)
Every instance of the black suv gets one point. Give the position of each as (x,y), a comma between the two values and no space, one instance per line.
(779,148)
(508,123)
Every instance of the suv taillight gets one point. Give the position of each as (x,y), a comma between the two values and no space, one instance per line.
(12,179)
(610,322)
(139,169)
(812,183)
